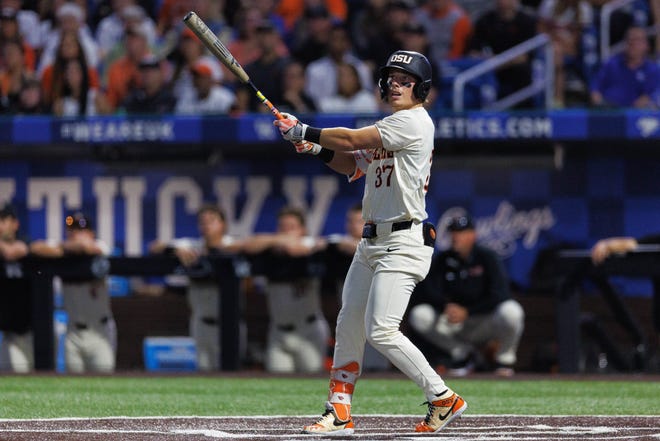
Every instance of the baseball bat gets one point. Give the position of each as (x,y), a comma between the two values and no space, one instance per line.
(220,51)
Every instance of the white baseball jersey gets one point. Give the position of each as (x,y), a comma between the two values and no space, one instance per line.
(88,302)
(204,301)
(91,334)
(398,174)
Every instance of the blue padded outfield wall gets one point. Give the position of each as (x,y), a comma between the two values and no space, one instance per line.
(519,210)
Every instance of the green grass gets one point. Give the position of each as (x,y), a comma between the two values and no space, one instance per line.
(62,396)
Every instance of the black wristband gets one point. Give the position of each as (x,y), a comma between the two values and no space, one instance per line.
(326,155)
(313,134)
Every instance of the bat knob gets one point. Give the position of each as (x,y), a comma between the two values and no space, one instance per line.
(189,15)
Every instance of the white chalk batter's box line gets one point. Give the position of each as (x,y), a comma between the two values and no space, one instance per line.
(261,417)
(481,433)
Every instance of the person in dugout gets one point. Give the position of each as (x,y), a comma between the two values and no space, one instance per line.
(91,335)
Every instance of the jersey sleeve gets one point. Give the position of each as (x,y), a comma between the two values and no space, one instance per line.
(398,130)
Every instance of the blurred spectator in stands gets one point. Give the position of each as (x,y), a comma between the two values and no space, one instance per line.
(376,41)
(202,294)
(9,30)
(655,21)
(73,95)
(267,71)
(498,30)
(293,10)
(311,35)
(213,14)
(170,22)
(190,51)
(123,74)
(476,8)
(69,17)
(69,48)
(91,334)
(448,26)
(565,21)
(30,100)
(268,10)
(171,13)
(13,75)
(624,15)
(298,332)
(367,25)
(415,38)
(321,75)
(350,97)
(246,47)
(294,98)
(111,29)
(207,95)
(28,22)
(467,303)
(16,353)
(152,95)
(630,78)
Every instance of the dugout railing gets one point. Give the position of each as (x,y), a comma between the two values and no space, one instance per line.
(541,82)
(41,271)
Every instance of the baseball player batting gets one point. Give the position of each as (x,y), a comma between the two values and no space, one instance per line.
(396,248)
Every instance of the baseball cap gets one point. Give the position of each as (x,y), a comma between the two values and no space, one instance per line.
(414,28)
(132,12)
(202,69)
(77,221)
(316,11)
(71,10)
(460,223)
(149,61)
(138,29)
(265,25)
(206,68)
(402,4)
(8,14)
(7,210)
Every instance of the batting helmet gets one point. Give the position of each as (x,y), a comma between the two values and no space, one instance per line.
(413,63)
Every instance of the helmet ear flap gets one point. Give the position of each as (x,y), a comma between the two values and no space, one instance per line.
(421,90)
(382,85)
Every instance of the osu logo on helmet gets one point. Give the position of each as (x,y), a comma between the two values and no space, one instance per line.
(400,58)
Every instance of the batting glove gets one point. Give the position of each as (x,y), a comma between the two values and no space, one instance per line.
(291,129)
(308,147)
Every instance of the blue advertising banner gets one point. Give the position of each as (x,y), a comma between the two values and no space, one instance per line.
(518,211)
(568,125)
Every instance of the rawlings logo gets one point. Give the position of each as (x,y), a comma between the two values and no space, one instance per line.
(400,58)
(501,230)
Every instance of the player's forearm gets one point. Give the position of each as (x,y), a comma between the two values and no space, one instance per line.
(43,249)
(13,250)
(343,162)
(258,243)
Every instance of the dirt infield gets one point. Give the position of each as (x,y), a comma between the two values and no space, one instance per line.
(482,428)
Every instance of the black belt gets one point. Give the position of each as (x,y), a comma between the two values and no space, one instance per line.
(369,230)
(82,326)
(211,321)
(291,327)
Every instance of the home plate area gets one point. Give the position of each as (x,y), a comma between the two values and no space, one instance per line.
(368,427)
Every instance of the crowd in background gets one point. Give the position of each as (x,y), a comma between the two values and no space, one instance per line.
(96,57)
